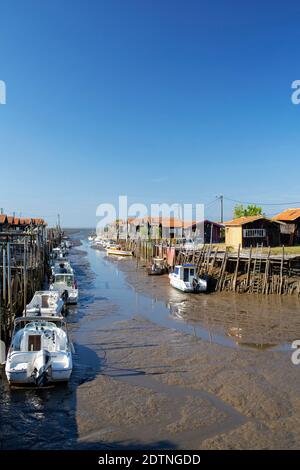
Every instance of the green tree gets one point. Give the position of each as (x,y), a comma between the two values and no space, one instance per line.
(251,209)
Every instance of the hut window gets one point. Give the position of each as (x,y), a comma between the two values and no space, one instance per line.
(254,232)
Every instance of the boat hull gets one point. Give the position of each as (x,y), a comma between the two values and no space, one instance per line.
(55,375)
(157,272)
(118,253)
(187,287)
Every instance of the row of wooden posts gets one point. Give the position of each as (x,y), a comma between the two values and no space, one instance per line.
(255,270)
(24,262)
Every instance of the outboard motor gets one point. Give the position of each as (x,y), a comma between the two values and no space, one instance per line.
(40,367)
(65,295)
(196,286)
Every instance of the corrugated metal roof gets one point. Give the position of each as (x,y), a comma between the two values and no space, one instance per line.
(288,215)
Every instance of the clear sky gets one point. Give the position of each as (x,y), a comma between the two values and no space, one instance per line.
(164,101)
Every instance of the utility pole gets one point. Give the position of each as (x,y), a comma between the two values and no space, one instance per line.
(221,197)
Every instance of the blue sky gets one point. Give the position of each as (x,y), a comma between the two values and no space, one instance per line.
(164,101)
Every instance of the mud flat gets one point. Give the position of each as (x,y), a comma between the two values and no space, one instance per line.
(162,387)
(143,379)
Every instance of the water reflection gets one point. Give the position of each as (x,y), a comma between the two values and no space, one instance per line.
(229,319)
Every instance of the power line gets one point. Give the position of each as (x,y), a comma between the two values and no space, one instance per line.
(262,203)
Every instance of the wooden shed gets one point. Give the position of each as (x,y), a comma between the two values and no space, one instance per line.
(206,230)
(290,230)
(3,222)
(253,230)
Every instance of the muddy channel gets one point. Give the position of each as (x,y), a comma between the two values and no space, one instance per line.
(158,369)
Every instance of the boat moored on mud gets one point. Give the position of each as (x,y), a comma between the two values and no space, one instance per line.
(116,250)
(184,278)
(66,285)
(45,303)
(158,267)
(40,352)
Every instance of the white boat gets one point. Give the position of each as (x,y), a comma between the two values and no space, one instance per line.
(62,267)
(40,352)
(98,242)
(185,279)
(45,303)
(116,250)
(58,253)
(67,287)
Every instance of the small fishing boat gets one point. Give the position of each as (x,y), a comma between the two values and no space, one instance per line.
(157,268)
(66,285)
(45,303)
(58,253)
(185,279)
(62,267)
(40,352)
(99,243)
(117,251)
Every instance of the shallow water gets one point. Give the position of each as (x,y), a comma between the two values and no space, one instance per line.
(234,320)
(111,290)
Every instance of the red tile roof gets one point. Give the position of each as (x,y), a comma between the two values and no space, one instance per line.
(289,215)
(37,221)
(243,220)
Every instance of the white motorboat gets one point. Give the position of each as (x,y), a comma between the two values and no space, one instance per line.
(67,287)
(92,237)
(62,267)
(58,253)
(185,279)
(40,352)
(45,303)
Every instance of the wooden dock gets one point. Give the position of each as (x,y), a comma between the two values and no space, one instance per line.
(253,270)
(24,264)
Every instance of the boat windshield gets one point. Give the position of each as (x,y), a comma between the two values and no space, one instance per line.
(65,279)
(28,323)
(41,324)
(36,328)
